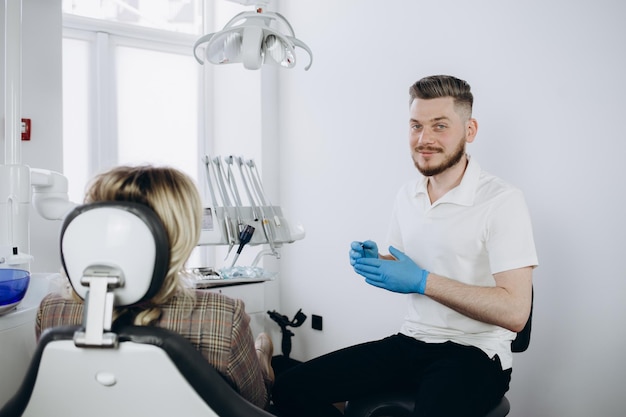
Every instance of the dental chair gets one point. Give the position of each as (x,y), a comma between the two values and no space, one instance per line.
(116,254)
(402,404)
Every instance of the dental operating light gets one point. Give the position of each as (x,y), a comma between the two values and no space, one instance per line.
(252,38)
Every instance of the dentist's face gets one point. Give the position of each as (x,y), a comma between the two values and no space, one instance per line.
(438,134)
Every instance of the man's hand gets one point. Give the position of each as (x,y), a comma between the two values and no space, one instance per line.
(359,250)
(401,275)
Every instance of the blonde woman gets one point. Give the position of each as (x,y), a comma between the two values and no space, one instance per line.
(216,325)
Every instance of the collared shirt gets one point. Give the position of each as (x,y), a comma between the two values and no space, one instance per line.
(477,229)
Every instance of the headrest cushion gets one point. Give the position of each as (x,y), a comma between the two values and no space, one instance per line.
(120,234)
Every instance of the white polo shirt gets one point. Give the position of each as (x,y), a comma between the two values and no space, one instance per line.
(477,229)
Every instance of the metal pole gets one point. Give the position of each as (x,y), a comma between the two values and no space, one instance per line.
(12,81)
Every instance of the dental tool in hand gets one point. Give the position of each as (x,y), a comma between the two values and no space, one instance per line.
(244,238)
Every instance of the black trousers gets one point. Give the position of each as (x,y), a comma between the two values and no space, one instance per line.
(447,379)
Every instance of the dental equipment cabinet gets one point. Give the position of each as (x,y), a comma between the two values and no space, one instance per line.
(229,220)
(21,186)
(235,219)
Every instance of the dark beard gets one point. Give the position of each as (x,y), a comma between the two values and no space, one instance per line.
(449,162)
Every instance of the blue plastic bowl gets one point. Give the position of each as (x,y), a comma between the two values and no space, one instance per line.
(13,286)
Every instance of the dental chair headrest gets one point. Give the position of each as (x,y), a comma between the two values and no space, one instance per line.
(118,235)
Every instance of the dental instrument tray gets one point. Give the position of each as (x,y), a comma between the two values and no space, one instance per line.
(220,224)
(209,277)
(229,214)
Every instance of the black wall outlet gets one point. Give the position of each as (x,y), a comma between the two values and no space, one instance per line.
(316,322)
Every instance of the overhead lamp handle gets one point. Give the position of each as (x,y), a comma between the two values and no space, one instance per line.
(200,41)
(298,42)
(251,47)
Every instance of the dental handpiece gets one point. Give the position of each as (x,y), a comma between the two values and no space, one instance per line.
(244,238)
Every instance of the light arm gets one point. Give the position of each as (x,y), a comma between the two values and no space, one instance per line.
(50,197)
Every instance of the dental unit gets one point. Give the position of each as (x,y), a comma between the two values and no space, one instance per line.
(232,220)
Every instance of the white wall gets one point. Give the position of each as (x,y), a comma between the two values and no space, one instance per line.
(549,85)
(42,103)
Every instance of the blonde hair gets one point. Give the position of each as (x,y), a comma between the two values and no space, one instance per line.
(174,197)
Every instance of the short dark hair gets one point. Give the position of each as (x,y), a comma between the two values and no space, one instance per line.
(438,86)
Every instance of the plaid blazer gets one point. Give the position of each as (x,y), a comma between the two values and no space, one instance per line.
(217,326)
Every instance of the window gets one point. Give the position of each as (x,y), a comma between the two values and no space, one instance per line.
(132,91)
(131,94)
(184,16)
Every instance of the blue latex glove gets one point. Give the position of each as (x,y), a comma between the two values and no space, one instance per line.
(358,250)
(401,275)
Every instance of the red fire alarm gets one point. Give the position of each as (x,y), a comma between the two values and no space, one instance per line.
(25,129)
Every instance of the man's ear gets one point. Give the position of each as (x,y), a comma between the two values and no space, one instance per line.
(471,129)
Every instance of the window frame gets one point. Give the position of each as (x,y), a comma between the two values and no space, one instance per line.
(103,37)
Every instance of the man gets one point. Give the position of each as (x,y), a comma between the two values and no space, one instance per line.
(461,246)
